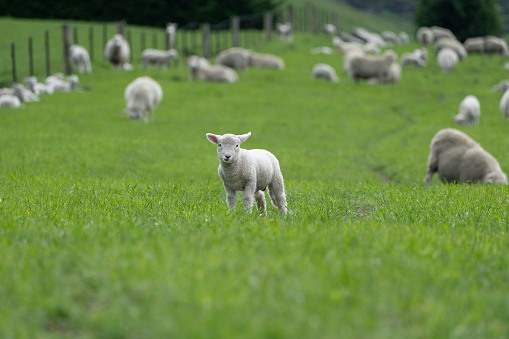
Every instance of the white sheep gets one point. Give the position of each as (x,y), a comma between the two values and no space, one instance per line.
(441,32)
(447,59)
(367,36)
(266,61)
(322,50)
(9,101)
(453,44)
(502,86)
(59,84)
(142,96)
(171,30)
(118,52)
(251,171)
(393,75)
(474,45)
(336,42)
(36,87)
(324,71)
(159,58)
(234,57)
(455,157)
(504,104)
(24,94)
(414,59)
(403,37)
(371,67)
(495,45)
(348,56)
(425,36)
(285,31)
(80,58)
(469,111)
(390,37)
(198,70)
(329,29)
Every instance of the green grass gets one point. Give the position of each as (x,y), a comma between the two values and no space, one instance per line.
(111,228)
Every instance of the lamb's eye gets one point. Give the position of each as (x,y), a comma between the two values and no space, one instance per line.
(219,145)
(237,146)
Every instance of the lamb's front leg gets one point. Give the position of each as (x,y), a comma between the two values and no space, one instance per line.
(231,197)
(249,196)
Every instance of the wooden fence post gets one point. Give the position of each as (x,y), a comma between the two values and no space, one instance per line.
(91,42)
(314,20)
(66,39)
(121,27)
(206,40)
(30,56)
(235,31)
(46,47)
(267,25)
(289,14)
(13,59)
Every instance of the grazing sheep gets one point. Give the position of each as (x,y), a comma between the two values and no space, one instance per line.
(329,29)
(171,31)
(453,44)
(417,58)
(469,111)
(251,171)
(80,58)
(336,42)
(447,59)
(504,104)
(459,159)
(322,50)
(158,57)
(371,48)
(324,71)
(390,37)
(404,39)
(369,67)
(266,61)
(198,70)
(393,75)
(425,36)
(367,36)
(118,52)
(235,57)
(441,32)
(348,56)
(494,45)
(502,86)
(9,101)
(285,31)
(350,38)
(23,94)
(142,96)
(474,45)
(348,46)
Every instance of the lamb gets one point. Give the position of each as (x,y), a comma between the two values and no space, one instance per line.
(459,159)
(404,39)
(9,101)
(425,36)
(474,45)
(118,52)
(59,84)
(504,104)
(266,61)
(235,57)
(469,111)
(36,87)
(390,37)
(496,45)
(441,32)
(367,67)
(285,31)
(447,59)
(23,94)
(171,31)
(322,50)
(158,58)
(251,171)
(367,36)
(215,73)
(393,75)
(324,71)
(142,96)
(348,56)
(80,58)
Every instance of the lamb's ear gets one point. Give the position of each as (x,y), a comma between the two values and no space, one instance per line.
(244,137)
(212,138)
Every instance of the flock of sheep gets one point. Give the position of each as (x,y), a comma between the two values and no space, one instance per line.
(454,156)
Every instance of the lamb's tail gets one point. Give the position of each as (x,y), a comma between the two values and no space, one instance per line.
(277,193)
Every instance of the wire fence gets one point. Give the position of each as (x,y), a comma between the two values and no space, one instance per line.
(44,53)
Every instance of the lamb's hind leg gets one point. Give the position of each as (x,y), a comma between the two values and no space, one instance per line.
(432,167)
(277,194)
(260,202)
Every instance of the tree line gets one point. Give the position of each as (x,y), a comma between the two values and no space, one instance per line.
(147,13)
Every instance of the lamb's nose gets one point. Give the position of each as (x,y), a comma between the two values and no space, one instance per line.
(227,157)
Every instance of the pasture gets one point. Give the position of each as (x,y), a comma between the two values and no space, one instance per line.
(112,228)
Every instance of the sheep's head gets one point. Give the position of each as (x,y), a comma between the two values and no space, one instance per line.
(228,145)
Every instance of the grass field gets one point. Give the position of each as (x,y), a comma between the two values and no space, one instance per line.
(112,228)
